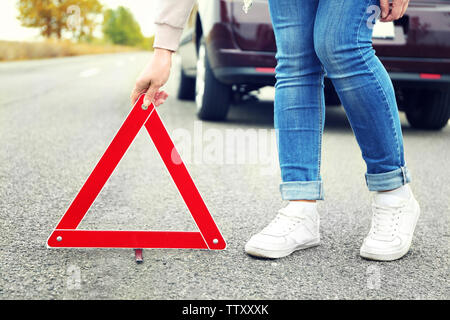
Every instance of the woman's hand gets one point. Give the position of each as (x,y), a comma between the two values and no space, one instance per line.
(153,77)
(396,12)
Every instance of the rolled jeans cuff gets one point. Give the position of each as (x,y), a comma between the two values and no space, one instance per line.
(301,190)
(388,180)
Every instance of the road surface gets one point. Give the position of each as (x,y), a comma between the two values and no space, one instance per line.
(57,117)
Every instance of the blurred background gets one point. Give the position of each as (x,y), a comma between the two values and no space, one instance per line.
(33,29)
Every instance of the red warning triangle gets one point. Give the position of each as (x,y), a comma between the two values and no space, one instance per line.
(66,234)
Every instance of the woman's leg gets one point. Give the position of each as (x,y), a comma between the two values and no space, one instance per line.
(299,112)
(343,42)
(299,99)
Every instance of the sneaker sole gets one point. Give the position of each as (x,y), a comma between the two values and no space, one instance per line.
(275,254)
(394,255)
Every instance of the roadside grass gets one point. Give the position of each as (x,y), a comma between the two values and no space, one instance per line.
(15,50)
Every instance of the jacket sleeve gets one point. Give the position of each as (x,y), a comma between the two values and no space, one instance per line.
(170,21)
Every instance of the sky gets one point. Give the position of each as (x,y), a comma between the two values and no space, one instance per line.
(10,28)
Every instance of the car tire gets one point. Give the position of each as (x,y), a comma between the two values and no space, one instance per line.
(427,109)
(212,97)
(186,89)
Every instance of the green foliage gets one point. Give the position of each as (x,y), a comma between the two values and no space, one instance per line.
(120,27)
(147,44)
(54,17)
(78,19)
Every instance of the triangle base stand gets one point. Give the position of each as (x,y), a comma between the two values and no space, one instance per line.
(138,256)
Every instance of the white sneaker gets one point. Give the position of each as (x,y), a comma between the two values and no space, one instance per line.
(295,227)
(393,222)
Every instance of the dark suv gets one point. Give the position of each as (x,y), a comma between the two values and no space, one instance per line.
(227,53)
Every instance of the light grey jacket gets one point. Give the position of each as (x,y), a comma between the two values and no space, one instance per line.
(171,19)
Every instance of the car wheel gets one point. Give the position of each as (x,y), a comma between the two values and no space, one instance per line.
(212,97)
(186,89)
(427,109)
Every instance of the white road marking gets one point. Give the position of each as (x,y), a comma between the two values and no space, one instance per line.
(89,72)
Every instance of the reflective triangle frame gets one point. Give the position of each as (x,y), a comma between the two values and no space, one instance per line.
(66,234)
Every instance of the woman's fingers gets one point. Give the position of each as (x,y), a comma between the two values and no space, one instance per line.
(405,6)
(136,93)
(160,98)
(396,11)
(150,94)
(384,5)
(141,86)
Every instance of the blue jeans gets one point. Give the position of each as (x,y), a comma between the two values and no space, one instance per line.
(332,37)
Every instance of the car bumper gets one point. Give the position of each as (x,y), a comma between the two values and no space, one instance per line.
(421,80)
(245,75)
(266,76)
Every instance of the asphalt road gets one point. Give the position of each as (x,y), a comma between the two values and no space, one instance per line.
(57,117)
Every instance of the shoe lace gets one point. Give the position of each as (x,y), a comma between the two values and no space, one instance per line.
(385,221)
(282,223)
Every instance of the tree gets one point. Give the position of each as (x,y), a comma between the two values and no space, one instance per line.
(120,27)
(55,16)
